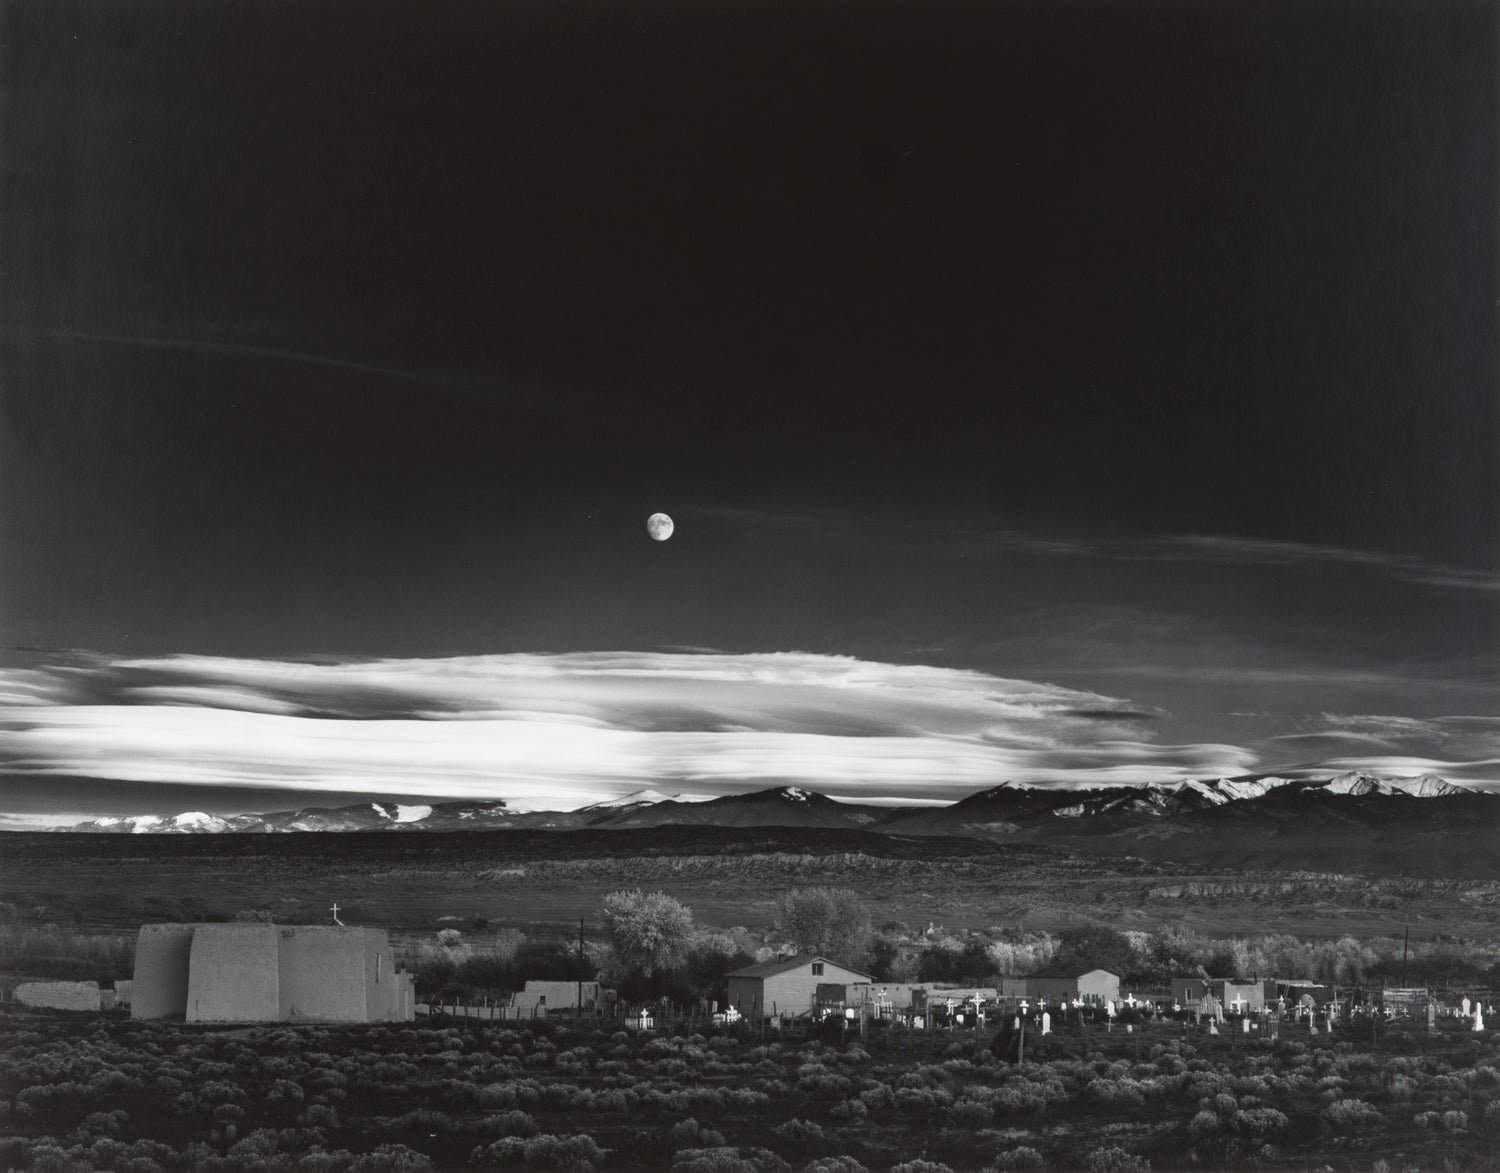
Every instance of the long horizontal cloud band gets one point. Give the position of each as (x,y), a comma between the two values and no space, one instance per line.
(570,729)
(564,730)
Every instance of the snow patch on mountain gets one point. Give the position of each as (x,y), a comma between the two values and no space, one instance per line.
(1426,786)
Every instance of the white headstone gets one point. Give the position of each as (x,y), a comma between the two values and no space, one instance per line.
(1478,1015)
(1464,1006)
(1046,1023)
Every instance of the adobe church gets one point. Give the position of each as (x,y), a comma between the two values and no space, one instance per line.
(269,973)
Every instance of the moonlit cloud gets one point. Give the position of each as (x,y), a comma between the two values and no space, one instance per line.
(559,731)
(563,730)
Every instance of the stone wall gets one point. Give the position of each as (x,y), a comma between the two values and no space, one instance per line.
(123,993)
(233,974)
(60,995)
(160,986)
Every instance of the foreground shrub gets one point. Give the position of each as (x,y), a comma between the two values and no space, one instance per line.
(392,1158)
(834,1165)
(514,1123)
(801,1133)
(1021,1157)
(1351,1114)
(725,1159)
(1260,1122)
(1114,1159)
(570,1154)
(686,1134)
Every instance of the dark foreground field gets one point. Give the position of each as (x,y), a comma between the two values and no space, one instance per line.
(102,1092)
(730,876)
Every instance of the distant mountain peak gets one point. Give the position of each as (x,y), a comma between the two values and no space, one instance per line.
(1001,809)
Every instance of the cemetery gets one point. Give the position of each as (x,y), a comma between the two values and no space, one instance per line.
(1077,1056)
(1046,1086)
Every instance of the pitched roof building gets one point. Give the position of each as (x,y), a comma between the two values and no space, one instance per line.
(794,986)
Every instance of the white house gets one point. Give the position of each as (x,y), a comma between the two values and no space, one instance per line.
(794,986)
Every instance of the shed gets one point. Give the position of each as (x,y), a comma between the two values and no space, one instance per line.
(60,995)
(794,986)
(1245,993)
(1187,990)
(1073,983)
(538,999)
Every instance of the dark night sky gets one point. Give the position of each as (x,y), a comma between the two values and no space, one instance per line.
(1142,349)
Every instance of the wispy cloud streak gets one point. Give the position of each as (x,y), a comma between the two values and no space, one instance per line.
(567,729)
(1186,548)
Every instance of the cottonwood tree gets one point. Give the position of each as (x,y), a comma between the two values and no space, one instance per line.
(649,934)
(830,921)
(1097,947)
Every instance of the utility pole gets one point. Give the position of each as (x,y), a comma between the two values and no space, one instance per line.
(1405,940)
(580,967)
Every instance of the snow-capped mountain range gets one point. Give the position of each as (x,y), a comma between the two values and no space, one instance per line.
(1001,810)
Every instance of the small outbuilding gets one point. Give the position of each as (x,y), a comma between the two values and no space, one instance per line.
(539,999)
(1236,993)
(1075,983)
(1187,990)
(794,986)
(60,995)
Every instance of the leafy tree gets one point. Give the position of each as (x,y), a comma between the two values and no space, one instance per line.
(885,953)
(830,921)
(972,963)
(1097,948)
(710,957)
(649,935)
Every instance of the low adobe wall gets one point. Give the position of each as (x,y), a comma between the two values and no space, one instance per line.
(123,992)
(60,995)
(160,986)
(563,995)
(233,974)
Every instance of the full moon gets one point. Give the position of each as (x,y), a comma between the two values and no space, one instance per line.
(659,526)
